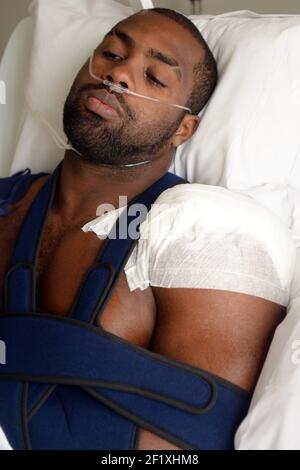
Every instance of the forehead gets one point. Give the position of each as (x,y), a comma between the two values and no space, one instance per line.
(164,34)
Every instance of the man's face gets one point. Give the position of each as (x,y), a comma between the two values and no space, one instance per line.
(144,128)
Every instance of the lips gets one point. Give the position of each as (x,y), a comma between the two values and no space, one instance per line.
(103,103)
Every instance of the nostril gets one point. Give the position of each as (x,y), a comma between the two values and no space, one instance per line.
(122,84)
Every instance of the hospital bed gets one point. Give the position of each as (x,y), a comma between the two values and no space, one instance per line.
(248,142)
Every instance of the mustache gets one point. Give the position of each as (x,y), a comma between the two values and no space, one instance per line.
(92,86)
(118,96)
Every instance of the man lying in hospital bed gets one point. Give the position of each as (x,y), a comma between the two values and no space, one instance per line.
(208,281)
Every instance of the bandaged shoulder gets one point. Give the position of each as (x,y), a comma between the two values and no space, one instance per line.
(199,236)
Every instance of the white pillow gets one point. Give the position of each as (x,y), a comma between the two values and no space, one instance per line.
(13,71)
(248,140)
(273,417)
(65,33)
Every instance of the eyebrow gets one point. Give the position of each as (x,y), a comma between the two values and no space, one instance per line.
(153,53)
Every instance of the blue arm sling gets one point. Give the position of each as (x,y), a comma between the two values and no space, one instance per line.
(69,384)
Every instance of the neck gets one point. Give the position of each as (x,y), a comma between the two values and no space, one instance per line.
(83,187)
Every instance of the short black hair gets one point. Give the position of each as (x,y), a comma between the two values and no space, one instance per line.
(205,71)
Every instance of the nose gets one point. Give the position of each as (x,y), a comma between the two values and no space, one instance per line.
(122,83)
(121,74)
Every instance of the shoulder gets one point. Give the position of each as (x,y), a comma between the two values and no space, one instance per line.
(206,236)
(14,188)
(216,198)
(197,208)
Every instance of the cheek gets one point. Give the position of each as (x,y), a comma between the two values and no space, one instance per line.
(149,123)
(148,111)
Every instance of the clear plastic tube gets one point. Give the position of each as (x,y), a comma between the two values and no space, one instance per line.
(119,89)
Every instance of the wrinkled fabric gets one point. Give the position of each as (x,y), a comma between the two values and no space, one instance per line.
(199,236)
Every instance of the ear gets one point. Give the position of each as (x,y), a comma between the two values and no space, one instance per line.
(186,129)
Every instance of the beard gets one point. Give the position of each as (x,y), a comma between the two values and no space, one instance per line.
(103,142)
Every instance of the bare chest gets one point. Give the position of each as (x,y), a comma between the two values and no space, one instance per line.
(64,257)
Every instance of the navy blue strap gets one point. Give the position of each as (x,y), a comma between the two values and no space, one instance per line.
(20,277)
(156,390)
(50,349)
(14,187)
(102,277)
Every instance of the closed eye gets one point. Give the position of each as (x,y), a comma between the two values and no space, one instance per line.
(155,80)
(149,76)
(111,55)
